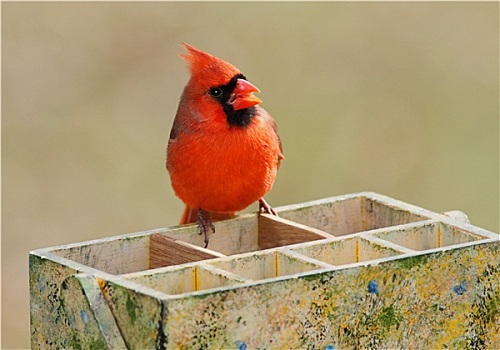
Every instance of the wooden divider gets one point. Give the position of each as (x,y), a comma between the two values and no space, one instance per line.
(276,232)
(166,251)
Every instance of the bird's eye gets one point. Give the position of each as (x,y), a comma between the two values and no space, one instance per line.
(215,92)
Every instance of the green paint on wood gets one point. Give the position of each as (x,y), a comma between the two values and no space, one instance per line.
(131,306)
(97,344)
(74,343)
(409,263)
(390,317)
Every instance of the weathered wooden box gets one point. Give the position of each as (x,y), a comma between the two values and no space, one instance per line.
(355,271)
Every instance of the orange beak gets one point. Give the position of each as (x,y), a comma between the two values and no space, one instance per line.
(243,95)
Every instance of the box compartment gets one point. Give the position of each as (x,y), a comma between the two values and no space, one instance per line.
(428,236)
(350,215)
(184,279)
(346,251)
(264,265)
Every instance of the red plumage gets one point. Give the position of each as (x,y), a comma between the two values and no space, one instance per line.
(224,150)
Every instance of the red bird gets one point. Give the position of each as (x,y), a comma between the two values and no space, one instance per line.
(224,150)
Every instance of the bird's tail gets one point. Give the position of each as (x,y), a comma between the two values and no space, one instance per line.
(190,215)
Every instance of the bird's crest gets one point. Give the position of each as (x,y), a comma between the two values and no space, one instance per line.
(207,67)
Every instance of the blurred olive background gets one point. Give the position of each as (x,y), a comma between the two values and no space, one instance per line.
(396,98)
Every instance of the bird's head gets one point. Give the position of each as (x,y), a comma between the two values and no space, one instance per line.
(218,89)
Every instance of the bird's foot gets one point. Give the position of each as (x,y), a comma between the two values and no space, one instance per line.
(204,224)
(266,208)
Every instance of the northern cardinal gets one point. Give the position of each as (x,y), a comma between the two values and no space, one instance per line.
(224,150)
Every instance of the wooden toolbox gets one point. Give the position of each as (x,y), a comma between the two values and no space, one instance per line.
(355,271)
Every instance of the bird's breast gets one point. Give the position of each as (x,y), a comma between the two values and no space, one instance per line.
(225,169)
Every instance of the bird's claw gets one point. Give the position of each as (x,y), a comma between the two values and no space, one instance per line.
(204,224)
(264,207)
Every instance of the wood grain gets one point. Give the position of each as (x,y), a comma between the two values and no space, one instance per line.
(276,232)
(166,251)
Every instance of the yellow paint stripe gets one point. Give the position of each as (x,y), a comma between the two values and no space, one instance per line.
(439,235)
(196,278)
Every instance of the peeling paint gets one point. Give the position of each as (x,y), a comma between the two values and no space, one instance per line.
(447,297)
